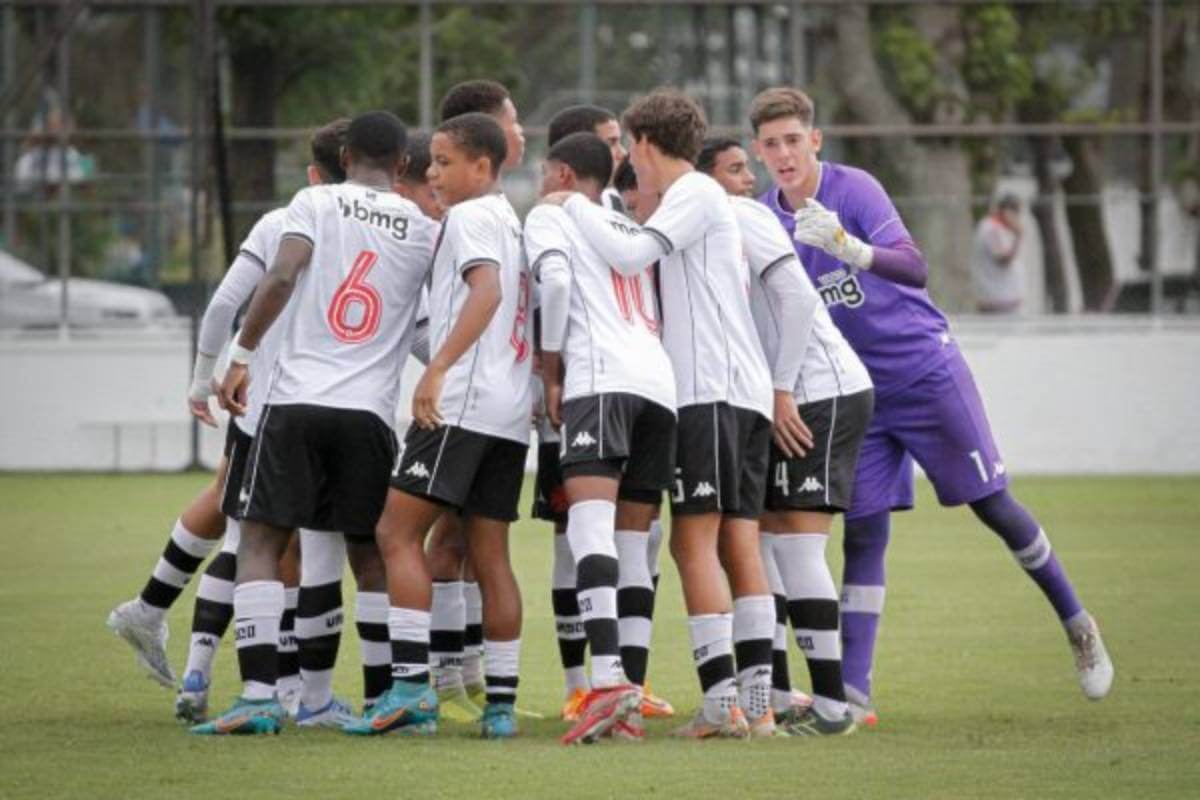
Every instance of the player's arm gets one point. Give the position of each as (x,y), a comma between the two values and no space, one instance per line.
(421,343)
(628,248)
(546,248)
(270,299)
(794,303)
(231,294)
(483,298)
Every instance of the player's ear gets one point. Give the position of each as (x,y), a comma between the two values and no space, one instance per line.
(816,137)
(314,175)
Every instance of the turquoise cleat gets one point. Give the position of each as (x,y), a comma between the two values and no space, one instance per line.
(499,721)
(405,708)
(247,717)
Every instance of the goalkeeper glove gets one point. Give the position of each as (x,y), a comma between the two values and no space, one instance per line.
(819,227)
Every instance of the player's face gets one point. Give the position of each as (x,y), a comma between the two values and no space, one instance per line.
(610,132)
(789,150)
(514,134)
(423,196)
(556,177)
(732,171)
(453,175)
(643,165)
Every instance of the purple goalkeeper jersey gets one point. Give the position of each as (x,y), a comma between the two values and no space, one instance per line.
(897,331)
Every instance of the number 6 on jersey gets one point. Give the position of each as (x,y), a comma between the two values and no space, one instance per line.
(356,293)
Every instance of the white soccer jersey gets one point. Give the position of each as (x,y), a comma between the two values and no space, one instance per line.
(260,246)
(488,390)
(707,328)
(612,336)
(831,368)
(356,302)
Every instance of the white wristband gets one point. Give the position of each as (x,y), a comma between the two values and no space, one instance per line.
(239,354)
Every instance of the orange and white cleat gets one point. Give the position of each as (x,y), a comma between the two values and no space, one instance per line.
(630,729)
(602,710)
(733,726)
(654,706)
(573,707)
(863,715)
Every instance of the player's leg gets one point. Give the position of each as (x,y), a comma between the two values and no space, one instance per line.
(287,686)
(447,553)
(211,614)
(490,507)
(947,431)
(883,482)
(371,618)
(652,704)
(786,703)
(142,621)
(319,621)
(472,659)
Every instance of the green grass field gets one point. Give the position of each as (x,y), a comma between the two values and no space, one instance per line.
(974,681)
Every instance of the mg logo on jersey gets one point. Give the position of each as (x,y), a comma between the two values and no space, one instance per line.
(840,288)
(418,470)
(811,484)
(704,489)
(584,439)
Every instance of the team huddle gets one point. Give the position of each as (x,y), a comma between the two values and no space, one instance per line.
(766,363)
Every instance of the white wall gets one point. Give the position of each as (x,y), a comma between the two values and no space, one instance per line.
(1064,396)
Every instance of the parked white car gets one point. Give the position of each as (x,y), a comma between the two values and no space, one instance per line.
(29,299)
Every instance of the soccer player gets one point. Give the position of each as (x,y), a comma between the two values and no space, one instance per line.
(871,276)
(354,256)
(724,397)
(465,449)
(615,412)
(456,646)
(597,120)
(724,159)
(414,182)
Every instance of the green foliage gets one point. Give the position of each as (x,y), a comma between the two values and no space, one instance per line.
(911,63)
(996,72)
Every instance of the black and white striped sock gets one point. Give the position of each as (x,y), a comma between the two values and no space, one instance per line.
(447,635)
(591,534)
(213,609)
(813,608)
(753,638)
(319,614)
(183,555)
(781,683)
(408,629)
(288,680)
(502,660)
(472,668)
(712,651)
(371,620)
(568,623)
(635,604)
(258,608)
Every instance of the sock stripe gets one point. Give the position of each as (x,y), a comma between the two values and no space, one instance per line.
(565,602)
(446,641)
(635,601)
(211,618)
(223,567)
(180,559)
(596,571)
(814,614)
(372,631)
(714,670)
(159,594)
(319,653)
(314,601)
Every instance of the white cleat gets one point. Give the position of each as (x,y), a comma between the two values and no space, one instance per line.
(288,693)
(147,637)
(334,714)
(1092,663)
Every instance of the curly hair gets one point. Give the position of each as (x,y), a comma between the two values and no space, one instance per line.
(669,120)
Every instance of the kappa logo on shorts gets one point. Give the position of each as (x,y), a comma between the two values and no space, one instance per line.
(418,470)
(243,496)
(584,439)
(998,469)
(704,489)
(811,484)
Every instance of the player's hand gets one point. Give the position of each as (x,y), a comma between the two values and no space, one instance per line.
(556,198)
(232,394)
(819,227)
(198,402)
(554,395)
(791,434)
(426,397)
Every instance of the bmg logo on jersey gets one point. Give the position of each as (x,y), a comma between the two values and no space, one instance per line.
(396,225)
(840,288)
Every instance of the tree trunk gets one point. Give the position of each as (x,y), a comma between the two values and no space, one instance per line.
(1053,268)
(1086,221)
(256,84)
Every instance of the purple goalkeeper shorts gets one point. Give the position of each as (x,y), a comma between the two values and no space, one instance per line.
(939,421)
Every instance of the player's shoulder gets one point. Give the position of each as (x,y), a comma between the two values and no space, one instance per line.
(545,215)
(269,225)
(750,209)
(847,179)
(488,212)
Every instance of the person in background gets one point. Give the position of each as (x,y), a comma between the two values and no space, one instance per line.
(995,269)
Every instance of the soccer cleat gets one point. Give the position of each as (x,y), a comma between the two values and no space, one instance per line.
(288,693)
(456,706)
(147,637)
(499,721)
(765,727)
(1092,663)
(477,694)
(247,717)
(574,705)
(733,726)
(630,729)
(334,714)
(191,704)
(863,715)
(654,706)
(801,700)
(602,709)
(405,705)
(813,724)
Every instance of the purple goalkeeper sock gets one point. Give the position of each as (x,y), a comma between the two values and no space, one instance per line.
(1029,545)
(863,583)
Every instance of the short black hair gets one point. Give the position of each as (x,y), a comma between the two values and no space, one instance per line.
(326,148)
(479,136)
(577,119)
(480,96)
(586,154)
(377,138)
(713,147)
(626,178)
(418,158)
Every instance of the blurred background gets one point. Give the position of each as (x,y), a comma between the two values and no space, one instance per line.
(140,140)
